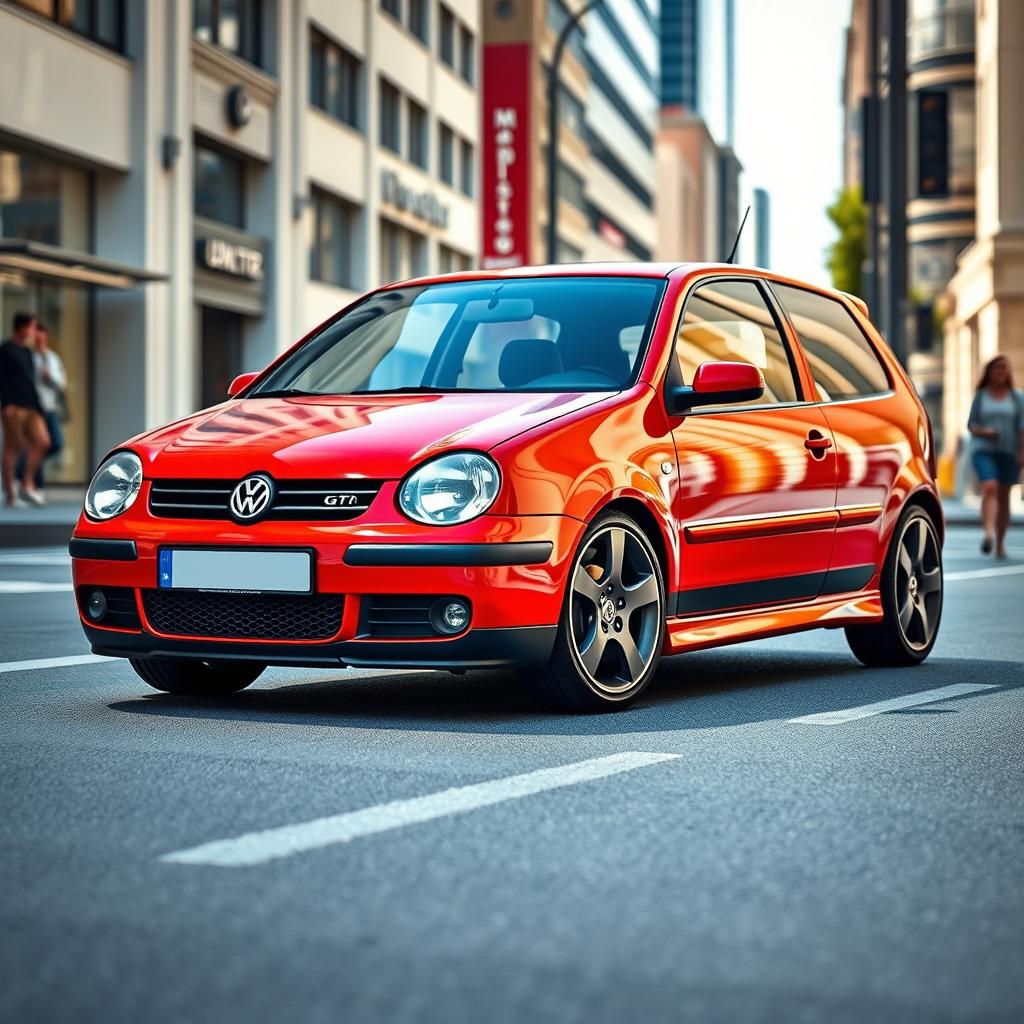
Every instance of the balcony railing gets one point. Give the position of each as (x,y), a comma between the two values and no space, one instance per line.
(942,32)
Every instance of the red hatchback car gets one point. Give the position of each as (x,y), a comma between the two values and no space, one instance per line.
(569,470)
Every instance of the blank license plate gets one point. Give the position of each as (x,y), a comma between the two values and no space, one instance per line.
(288,572)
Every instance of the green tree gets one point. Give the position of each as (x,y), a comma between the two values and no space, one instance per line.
(846,254)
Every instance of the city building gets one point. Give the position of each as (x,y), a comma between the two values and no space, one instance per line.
(699,171)
(607,119)
(917,177)
(984,305)
(186,188)
(762,216)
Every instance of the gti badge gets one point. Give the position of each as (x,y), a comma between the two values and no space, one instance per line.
(251,497)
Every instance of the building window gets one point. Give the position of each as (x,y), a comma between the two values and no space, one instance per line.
(466,54)
(571,187)
(571,113)
(447,44)
(451,261)
(334,80)
(468,169)
(331,254)
(219,187)
(393,7)
(402,252)
(419,19)
(447,155)
(390,117)
(233,25)
(419,142)
(102,21)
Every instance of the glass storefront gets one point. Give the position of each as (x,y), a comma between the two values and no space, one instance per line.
(42,201)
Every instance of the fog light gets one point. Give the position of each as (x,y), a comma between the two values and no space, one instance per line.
(96,607)
(449,615)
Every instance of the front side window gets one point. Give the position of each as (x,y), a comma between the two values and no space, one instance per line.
(219,187)
(843,363)
(233,25)
(548,334)
(730,321)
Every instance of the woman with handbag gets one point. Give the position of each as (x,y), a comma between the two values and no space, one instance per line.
(996,425)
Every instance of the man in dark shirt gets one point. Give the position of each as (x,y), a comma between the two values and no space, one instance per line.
(24,425)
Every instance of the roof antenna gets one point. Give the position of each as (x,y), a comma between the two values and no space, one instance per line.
(736,244)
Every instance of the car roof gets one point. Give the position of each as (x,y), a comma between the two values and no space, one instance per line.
(663,269)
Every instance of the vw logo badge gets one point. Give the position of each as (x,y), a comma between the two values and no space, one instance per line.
(251,497)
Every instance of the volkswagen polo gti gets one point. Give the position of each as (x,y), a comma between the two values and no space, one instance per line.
(568,470)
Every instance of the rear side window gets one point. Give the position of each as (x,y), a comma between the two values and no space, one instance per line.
(843,363)
(729,320)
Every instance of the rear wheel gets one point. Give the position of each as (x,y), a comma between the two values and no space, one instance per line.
(195,678)
(911,597)
(613,621)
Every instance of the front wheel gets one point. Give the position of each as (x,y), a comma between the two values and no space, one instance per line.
(612,624)
(911,597)
(195,678)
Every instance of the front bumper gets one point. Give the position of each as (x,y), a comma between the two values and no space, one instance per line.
(511,570)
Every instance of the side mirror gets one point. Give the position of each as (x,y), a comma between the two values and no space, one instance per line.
(241,382)
(717,383)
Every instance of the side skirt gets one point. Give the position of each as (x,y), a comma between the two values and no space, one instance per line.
(694,633)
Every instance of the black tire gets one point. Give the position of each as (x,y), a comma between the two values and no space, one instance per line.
(590,621)
(195,678)
(912,592)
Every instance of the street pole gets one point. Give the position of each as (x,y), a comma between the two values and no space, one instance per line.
(897,193)
(553,96)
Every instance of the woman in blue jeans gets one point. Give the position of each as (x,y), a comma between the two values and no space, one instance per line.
(996,423)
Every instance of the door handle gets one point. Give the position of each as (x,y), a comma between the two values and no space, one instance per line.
(817,445)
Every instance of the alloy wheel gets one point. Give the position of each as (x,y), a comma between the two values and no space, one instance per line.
(616,610)
(918,581)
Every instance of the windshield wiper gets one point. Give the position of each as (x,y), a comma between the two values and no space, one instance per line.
(422,389)
(287,393)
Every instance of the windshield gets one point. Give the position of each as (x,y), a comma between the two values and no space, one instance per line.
(540,334)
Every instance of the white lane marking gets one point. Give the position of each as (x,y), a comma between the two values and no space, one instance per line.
(22,558)
(882,706)
(32,587)
(260,847)
(74,659)
(980,574)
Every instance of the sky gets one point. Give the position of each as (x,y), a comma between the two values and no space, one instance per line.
(789,64)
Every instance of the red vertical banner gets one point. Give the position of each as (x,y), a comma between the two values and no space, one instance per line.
(505,139)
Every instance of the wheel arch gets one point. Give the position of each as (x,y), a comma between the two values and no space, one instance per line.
(926,499)
(653,527)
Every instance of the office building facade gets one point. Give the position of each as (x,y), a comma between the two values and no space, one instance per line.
(189,186)
(607,119)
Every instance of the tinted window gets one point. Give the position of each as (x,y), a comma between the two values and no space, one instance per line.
(843,363)
(334,80)
(556,334)
(331,254)
(730,321)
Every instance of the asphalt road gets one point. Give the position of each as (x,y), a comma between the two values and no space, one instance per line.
(761,870)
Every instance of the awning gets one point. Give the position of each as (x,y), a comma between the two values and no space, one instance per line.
(20,259)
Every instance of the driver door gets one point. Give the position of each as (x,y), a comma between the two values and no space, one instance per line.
(755,504)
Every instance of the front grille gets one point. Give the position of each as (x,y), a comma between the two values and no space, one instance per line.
(397,615)
(244,616)
(323,500)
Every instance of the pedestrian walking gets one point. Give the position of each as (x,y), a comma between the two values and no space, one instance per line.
(51,386)
(21,413)
(996,424)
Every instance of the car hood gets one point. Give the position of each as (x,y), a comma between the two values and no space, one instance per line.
(374,436)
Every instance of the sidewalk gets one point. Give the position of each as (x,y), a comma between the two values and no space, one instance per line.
(42,527)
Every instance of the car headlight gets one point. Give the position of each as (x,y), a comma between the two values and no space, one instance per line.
(450,489)
(115,486)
